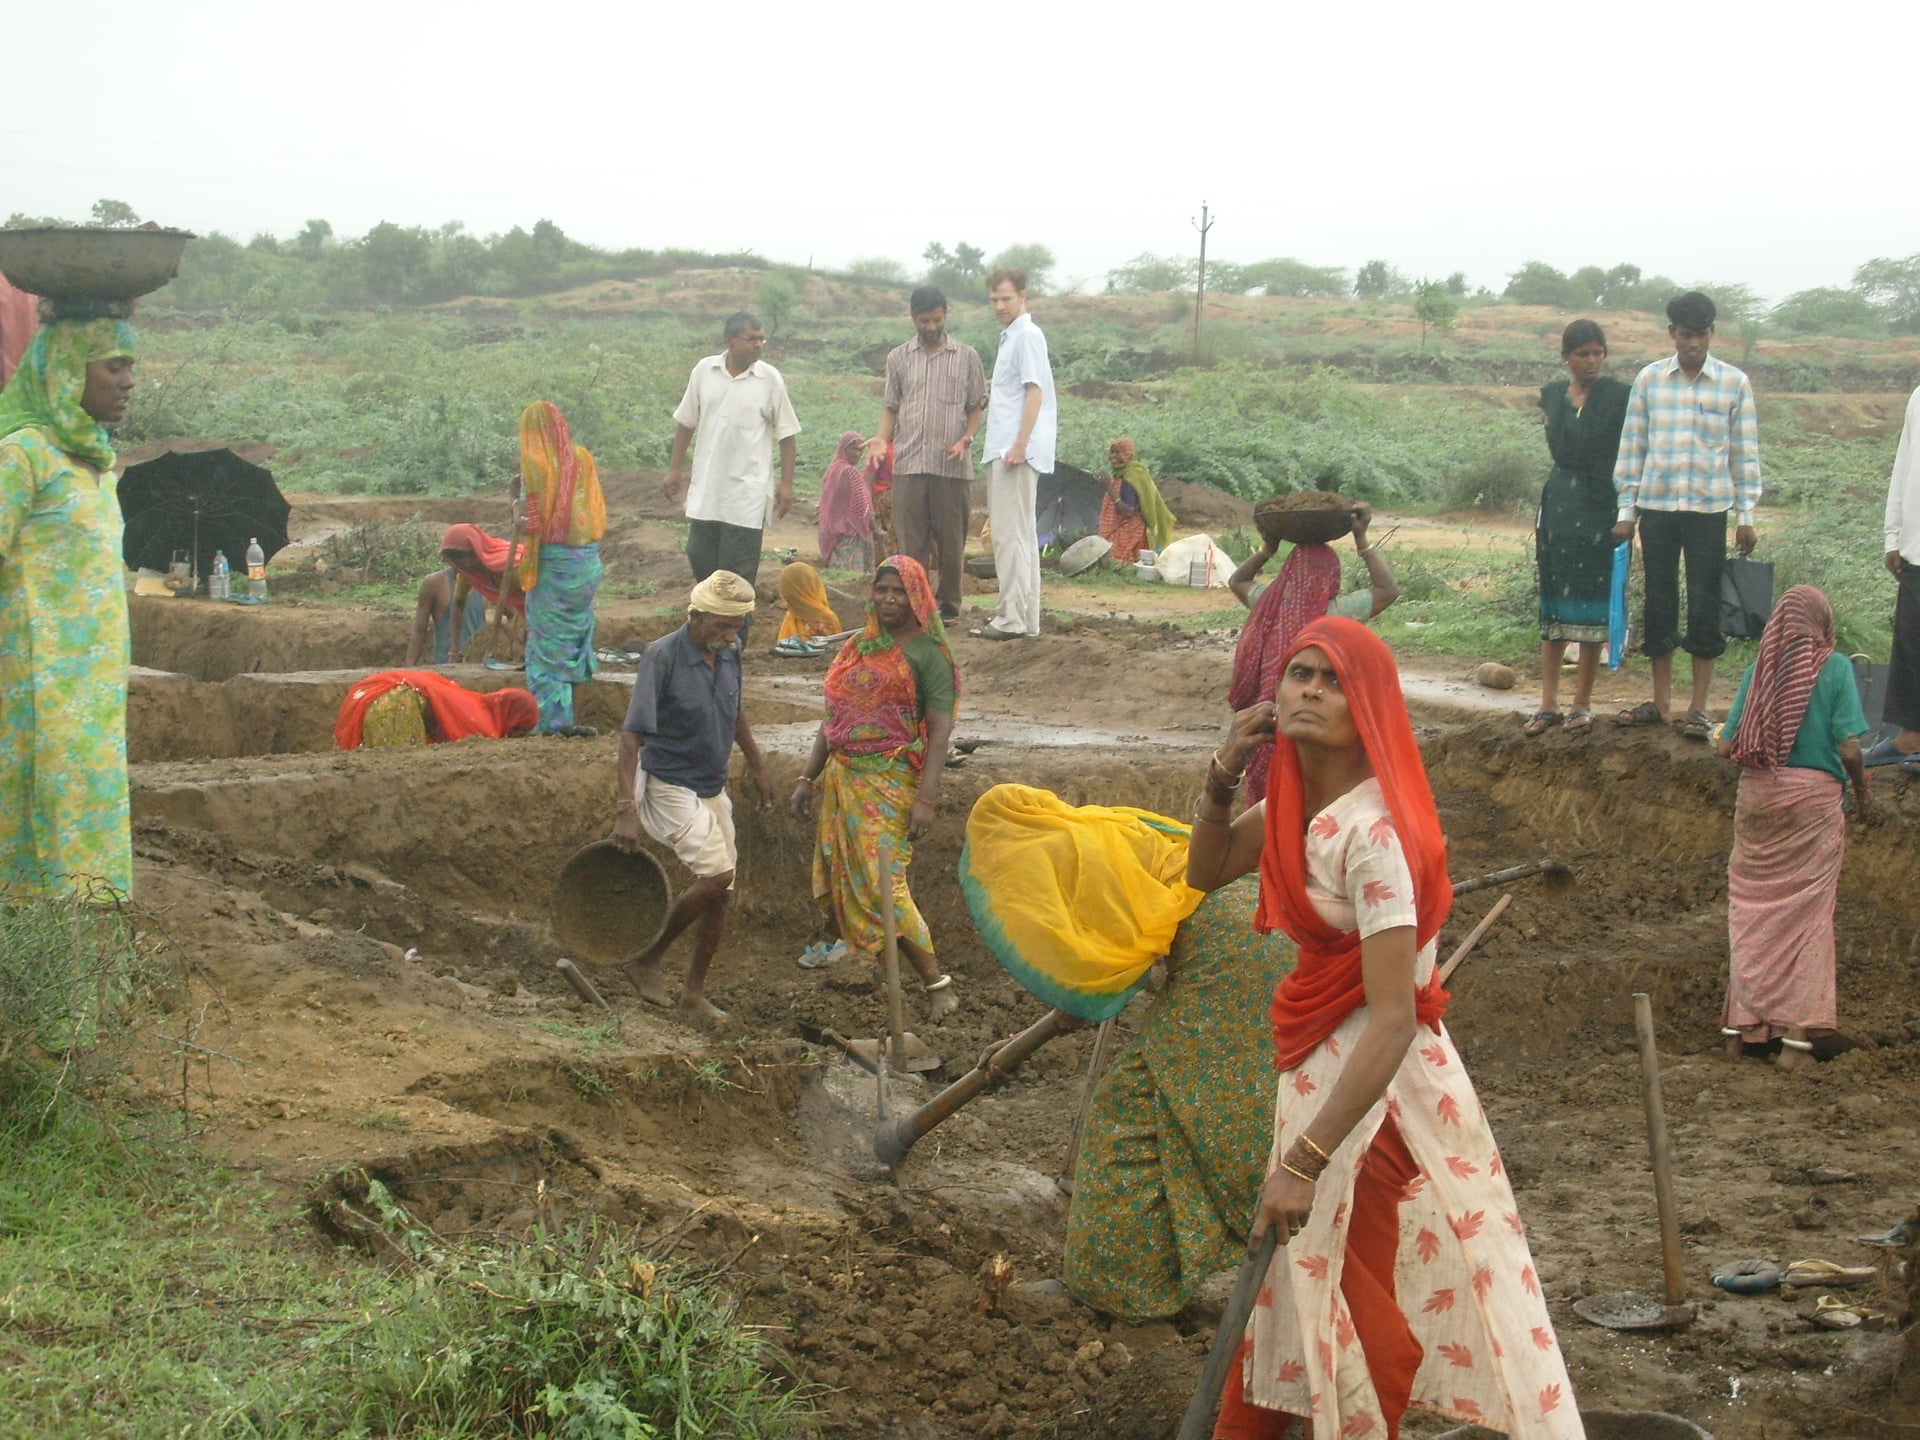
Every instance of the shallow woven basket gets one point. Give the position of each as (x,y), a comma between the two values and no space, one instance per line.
(609,905)
(1302,527)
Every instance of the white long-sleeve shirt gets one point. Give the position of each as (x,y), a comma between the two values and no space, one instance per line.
(1903,490)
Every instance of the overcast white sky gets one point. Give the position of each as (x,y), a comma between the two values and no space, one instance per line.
(1771,144)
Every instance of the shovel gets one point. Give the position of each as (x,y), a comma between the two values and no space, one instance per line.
(1629,1309)
(1198,1423)
(1559,876)
(507,577)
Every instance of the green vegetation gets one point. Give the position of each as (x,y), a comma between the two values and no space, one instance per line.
(149,1291)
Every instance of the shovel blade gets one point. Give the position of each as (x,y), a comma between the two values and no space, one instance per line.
(1630,1310)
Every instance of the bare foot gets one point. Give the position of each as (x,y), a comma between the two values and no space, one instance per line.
(1736,1045)
(695,1006)
(653,990)
(942,1003)
(1792,1059)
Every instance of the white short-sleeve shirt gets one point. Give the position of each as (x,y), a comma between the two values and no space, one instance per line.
(735,419)
(1022,361)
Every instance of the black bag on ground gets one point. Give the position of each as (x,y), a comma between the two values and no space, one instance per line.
(1746,597)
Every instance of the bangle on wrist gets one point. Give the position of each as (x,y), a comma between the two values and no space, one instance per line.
(1298,1174)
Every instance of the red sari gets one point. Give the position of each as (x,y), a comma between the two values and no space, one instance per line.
(455,713)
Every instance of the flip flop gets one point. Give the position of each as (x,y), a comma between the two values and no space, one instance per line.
(1645,713)
(989,632)
(1697,726)
(1894,1239)
(1579,722)
(818,956)
(1541,722)
(1808,1274)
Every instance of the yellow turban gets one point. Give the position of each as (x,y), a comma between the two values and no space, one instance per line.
(721,593)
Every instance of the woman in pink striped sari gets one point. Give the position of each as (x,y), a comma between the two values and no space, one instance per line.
(1794,730)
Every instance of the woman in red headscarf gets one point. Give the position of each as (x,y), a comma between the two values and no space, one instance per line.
(876,767)
(1308,587)
(418,707)
(1383,1168)
(1794,730)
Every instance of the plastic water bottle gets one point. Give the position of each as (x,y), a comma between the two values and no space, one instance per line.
(220,583)
(256,572)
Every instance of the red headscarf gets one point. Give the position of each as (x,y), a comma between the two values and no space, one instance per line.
(457,712)
(492,552)
(1307,583)
(1793,648)
(1326,985)
(846,505)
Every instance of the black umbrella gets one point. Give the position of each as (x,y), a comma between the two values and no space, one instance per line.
(200,501)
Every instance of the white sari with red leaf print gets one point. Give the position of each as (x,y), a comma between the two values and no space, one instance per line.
(1464,1278)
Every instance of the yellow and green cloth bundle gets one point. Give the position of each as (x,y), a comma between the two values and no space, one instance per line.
(1076,901)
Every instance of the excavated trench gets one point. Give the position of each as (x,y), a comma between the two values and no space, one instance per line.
(301,877)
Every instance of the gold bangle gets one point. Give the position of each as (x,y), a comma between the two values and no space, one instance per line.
(1298,1174)
(1307,1140)
(620,805)
(1234,778)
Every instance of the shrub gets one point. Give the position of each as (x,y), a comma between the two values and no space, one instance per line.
(67,964)
(1501,482)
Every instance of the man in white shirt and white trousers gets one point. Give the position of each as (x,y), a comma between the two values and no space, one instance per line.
(1023,424)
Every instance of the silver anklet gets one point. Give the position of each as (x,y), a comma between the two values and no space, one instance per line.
(945,982)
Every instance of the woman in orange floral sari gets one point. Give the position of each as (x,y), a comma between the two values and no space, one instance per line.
(876,766)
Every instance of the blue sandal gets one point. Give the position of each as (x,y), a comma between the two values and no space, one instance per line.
(1884,752)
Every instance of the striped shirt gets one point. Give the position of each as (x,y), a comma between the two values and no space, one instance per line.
(931,395)
(1689,445)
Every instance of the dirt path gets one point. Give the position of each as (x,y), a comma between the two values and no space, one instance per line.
(387,998)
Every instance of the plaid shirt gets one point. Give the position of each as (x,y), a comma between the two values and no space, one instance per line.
(1689,444)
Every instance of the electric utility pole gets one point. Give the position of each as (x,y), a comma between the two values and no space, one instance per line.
(1203,225)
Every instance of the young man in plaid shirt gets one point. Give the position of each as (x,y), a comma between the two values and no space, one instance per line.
(1689,453)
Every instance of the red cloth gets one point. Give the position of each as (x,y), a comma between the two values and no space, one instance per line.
(1387,1341)
(1326,984)
(1793,649)
(493,553)
(19,318)
(1307,583)
(456,712)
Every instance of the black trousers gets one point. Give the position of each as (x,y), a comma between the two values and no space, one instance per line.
(1902,705)
(1667,536)
(715,545)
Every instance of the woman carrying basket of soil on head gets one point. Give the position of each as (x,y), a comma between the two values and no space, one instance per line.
(876,765)
(1403,1276)
(559,572)
(1572,547)
(63,616)
(1133,516)
(1794,730)
(1307,587)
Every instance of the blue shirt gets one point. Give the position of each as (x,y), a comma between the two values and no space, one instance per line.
(683,710)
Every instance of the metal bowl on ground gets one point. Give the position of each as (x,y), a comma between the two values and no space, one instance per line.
(73,262)
(1608,1425)
(609,904)
(979,566)
(1083,554)
(1305,517)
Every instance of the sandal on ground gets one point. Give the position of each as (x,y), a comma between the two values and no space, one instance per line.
(1579,722)
(989,632)
(1645,713)
(1806,1274)
(1697,726)
(1884,752)
(1542,721)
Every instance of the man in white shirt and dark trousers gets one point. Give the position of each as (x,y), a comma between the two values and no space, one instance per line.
(1023,421)
(737,404)
(1902,706)
(1689,453)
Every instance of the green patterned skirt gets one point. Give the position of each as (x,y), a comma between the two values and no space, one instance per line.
(1181,1124)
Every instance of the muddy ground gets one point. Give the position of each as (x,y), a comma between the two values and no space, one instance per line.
(373,985)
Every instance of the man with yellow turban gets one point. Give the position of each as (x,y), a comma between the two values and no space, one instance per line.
(679,735)
(63,616)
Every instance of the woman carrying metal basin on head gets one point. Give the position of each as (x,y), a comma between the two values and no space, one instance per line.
(63,615)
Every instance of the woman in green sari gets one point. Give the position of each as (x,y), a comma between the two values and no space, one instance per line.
(63,616)
(1584,413)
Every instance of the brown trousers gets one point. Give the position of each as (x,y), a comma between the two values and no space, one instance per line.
(930,515)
